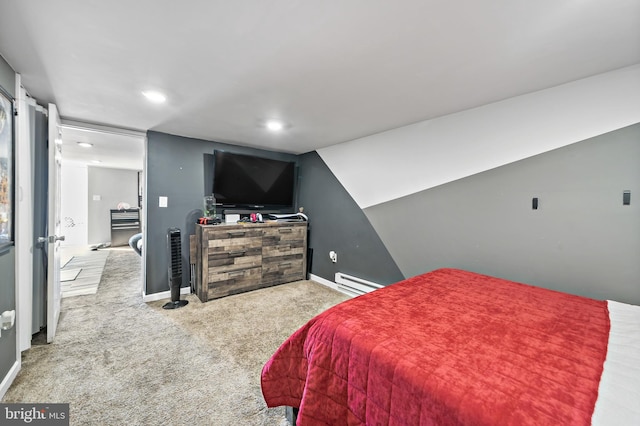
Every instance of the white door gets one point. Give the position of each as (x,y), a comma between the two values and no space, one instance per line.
(54,290)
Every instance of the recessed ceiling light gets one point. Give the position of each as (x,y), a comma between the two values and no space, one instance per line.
(153,96)
(85,144)
(275,125)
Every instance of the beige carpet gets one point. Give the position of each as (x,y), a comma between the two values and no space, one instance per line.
(117,360)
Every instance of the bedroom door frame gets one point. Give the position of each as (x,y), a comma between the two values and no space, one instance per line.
(54,289)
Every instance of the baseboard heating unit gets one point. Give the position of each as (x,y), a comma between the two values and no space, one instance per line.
(354,285)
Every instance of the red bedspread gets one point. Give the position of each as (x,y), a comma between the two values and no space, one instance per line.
(447,347)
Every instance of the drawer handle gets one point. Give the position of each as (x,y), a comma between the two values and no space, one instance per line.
(236,233)
(285,230)
(281,248)
(285,263)
(236,274)
(237,253)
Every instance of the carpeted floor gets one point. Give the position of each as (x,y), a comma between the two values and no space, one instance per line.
(117,360)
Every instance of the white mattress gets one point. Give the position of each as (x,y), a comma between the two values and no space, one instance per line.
(619,392)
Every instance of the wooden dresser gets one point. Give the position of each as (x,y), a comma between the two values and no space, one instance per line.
(232,259)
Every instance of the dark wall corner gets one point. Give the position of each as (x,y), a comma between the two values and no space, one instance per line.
(176,170)
(336,223)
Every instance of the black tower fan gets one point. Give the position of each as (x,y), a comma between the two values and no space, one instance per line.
(174,248)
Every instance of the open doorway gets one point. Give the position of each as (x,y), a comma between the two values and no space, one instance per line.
(102,171)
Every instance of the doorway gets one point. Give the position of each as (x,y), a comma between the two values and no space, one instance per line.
(101,173)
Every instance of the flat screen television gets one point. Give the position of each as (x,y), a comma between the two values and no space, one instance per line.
(246,181)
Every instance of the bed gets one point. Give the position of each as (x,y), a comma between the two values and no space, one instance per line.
(455,347)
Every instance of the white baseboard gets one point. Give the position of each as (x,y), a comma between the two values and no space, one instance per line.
(187,290)
(163,295)
(9,378)
(328,283)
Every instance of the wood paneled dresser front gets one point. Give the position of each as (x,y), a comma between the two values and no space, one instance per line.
(232,259)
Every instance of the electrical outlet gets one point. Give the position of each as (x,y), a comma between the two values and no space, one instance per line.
(7,319)
(333,256)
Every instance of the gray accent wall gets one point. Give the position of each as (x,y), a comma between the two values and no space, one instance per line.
(580,240)
(176,170)
(112,186)
(7,303)
(7,78)
(7,260)
(337,223)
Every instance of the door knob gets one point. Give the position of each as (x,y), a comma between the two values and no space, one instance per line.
(51,239)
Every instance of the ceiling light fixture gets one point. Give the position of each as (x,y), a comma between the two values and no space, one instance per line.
(96,161)
(153,96)
(275,125)
(85,144)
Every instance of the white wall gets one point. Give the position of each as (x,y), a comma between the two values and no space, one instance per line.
(74,203)
(403,161)
(24,217)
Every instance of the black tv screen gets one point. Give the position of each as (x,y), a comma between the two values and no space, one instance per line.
(247,181)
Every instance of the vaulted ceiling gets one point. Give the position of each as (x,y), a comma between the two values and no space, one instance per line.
(332,71)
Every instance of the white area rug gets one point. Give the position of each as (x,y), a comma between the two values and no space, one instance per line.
(82,273)
(69,274)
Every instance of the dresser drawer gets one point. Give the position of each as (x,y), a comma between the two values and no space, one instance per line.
(283,269)
(283,235)
(284,241)
(232,282)
(234,253)
(282,250)
(232,232)
(222,262)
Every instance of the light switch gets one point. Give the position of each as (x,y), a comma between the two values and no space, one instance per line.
(626,198)
(163,201)
(97,197)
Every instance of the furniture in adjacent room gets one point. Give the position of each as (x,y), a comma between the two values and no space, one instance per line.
(124,224)
(235,258)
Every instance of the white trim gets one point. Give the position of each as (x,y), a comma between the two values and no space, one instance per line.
(163,295)
(19,290)
(23,220)
(99,128)
(145,210)
(8,379)
(329,284)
